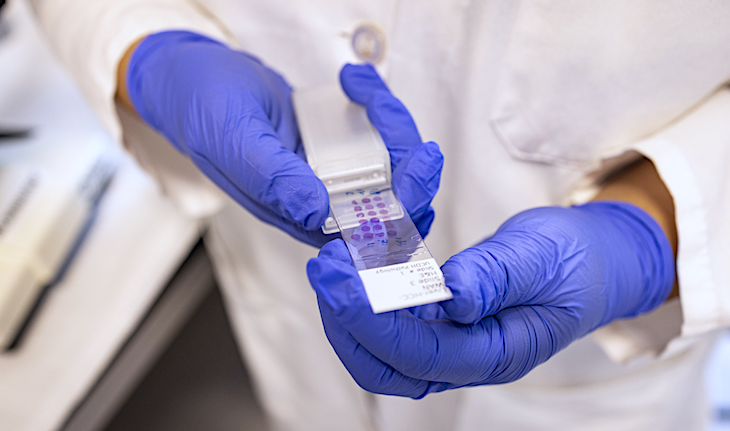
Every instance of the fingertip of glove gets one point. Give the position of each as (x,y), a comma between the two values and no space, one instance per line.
(338,284)
(333,261)
(358,71)
(359,82)
(317,274)
(433,150)
(314,219)
(428,161)
(465,307)
(304,198)
(425,221)
(336,250)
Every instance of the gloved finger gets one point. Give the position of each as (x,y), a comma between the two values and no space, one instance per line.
(498,349)
(528,336)
(281,114)
(368,371)
(313,237)
(428,312)
(519,265)
(390,117)
(386,356)
(477,282)
(274,177)
(333,267)
(417,179)
(338,251)
(436,350)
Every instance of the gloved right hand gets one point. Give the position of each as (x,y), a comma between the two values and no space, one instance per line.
(234,118)
(547,277)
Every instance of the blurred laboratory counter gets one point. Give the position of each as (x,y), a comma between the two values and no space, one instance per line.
(136,280)
(96,332)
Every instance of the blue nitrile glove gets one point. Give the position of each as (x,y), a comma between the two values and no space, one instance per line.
(234,118)
(416,165)
(546,278)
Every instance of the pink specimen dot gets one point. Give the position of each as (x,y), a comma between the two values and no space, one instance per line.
(372,213)
(355,237)
(366,201)
(360,215)
(380,234)
(374,220)
(369,207)
(381,205)
(389,224)
(362,221)
(377,227)
(365,228)
(392,233)
(368,236)
(377,198)
(387,219)
(383,211)
(354,202)
(358,208)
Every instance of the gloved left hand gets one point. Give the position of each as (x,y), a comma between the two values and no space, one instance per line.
(233,117)
(546,278)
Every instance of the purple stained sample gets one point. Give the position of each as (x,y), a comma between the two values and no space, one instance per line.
(360,215)
(372,213)
(374,220)
(382,212)
(392,233)
(365,228)
(381,205)
(369,207)
(377,198)
(355,237)
(379,234)
(366,201)
(363,221)
(358,208)
(368,236)
(354,202)
(389,224)
(377,227)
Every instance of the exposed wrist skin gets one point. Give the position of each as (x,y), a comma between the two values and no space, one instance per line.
(122,94)
(640,184)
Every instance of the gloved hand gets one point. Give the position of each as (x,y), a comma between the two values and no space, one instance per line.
(546,278)
(234,118)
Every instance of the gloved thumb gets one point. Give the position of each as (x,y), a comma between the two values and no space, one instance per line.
(417,180)
(517,266)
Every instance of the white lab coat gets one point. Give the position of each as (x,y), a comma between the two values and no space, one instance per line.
(531,103)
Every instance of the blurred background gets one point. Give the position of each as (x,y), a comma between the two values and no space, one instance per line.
(109,315)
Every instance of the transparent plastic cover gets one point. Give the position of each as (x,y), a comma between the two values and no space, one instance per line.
(349,156)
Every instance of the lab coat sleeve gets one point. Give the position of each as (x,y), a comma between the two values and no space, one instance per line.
(91,37)
(692,156)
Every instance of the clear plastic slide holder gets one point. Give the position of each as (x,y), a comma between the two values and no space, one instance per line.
(349,156)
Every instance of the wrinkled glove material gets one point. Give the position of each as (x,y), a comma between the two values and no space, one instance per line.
(547,277)
(233,117)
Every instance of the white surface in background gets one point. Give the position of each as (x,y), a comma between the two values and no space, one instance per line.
(138,240)
(718,384)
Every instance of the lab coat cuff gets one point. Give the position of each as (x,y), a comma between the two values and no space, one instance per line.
(692,157)
(92,52)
